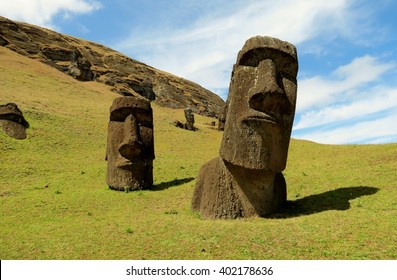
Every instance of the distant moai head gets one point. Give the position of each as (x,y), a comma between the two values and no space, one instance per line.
(130,145)
(261,105)
(189,119)
(12,121)
(222,119)
(189,115)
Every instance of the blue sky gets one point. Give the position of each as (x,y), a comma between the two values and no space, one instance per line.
(347,49)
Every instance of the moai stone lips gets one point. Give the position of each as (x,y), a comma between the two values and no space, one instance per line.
(130,148)
(12,121)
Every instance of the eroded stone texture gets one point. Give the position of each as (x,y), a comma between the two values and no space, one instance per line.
(246,179)
(222,119)
(130,144)
(80,68)
(88,61)
(12,121)
(189,125)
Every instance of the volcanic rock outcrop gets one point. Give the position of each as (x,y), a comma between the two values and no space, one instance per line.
(88,61)
(246,179)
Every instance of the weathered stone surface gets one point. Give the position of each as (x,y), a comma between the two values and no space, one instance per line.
(262,105)
(3,41)
(227,191)
(130,144)
(88,61)
(144,88)
(80,68)
(189,125)
(222,119)
(12,121)
(246,179)
(57,53)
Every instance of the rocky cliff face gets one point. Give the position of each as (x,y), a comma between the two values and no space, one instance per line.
(88,61)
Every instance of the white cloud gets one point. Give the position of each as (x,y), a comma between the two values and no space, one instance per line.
(380,130)
(205,50)
(346,106)
(352,105)
(375,100)
(319,91)
(42,12)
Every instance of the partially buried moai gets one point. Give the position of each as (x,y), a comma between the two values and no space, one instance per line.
(130,145)
(12,121)
(189,125)
(246,179)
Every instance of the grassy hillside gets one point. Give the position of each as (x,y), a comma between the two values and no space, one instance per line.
(54,202)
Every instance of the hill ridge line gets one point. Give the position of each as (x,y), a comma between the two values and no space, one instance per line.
(90,61)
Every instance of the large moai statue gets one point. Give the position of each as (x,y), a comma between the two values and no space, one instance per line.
(12,121)
(130,145)
(246,179)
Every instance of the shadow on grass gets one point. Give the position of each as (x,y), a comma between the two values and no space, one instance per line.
(173,183)
(332,200)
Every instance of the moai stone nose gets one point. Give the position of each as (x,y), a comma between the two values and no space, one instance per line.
(131,146)
(267,95)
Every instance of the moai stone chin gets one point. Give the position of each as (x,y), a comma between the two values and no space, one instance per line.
(130,145)
(12,121)
(246,179)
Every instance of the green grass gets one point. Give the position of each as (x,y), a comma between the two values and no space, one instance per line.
(54,202)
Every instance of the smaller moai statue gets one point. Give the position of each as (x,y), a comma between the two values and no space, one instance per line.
(130,144)
(189,125)
(222,119)
(12,121)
